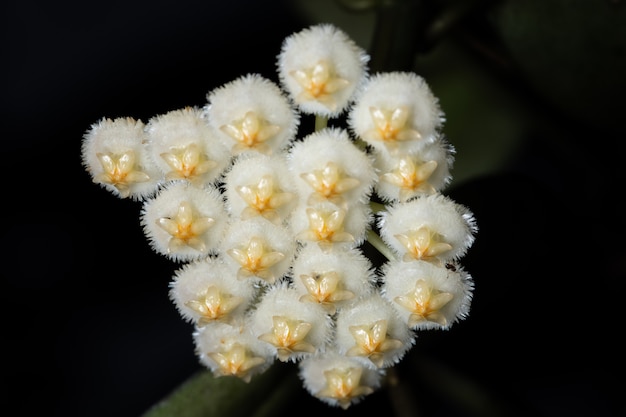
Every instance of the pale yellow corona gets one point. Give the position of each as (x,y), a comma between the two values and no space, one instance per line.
(288,335)
(319,83)
(213,304)
(390,126)
(250,132)
(120,171)
(423,244)
(324,288)
(256,260)
(424,303)
(186,229)
(263,199)
(411,178)
(187,163)
(236,361)
(326,228)
(343,385)
(372,341)
(329,184)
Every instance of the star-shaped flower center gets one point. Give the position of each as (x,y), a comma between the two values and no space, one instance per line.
(423,244)
(288,335)
(236,361)
(263,199)
(213,304)
(256,259)
(120,171)
(324,288)
(319,83)
(411,178)
(325,227)
(187,163)
(329,183)
(390,126)
(372,342)
(425,303)
(186,228)
(250,132)
(343,385)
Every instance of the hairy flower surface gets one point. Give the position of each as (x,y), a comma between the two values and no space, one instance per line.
(252,114)
(321,67)
(427,296)
(114,155)
(184,148)
(183,222)
(277,232)
(396,112)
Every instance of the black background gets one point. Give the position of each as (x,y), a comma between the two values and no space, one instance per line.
(90,328)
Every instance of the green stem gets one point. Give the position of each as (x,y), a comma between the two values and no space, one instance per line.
(377,242)
(320,122)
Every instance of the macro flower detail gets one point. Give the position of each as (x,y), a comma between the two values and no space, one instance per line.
(329,183)
(263,198)
(424,303)
(319,83)
(371,341)
(186,163)
(236,361)
(120,171)
(390,125)
(185,228)
(288,337)
(411,178)
(114,154)
(329,249)
(214,304)
(250,132)
(423,243)
(320,67)
(325,227)
(256,259)
(343,385)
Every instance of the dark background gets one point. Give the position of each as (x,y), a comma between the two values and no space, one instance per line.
(534,98)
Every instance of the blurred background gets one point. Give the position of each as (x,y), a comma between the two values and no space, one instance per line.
(533,92)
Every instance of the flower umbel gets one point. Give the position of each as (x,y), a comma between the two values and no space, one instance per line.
(268,224)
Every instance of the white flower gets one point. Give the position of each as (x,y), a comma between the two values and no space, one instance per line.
(428,296)
(327,166)
(261,250)
(291,328)
(260,185)
(252,113)
(404,176)
(432,227)
(331,226)
(337,380)
(332,278)
(371,329)
(183,222)
(396,111)
(321,67)
(184,147)
(207,290)
(231,350)
(114,155)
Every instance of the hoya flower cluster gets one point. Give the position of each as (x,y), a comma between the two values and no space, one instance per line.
(268,225)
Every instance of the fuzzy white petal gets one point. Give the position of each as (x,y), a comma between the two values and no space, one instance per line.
(451,223)
(321,67)
(183,146)
(421,283)
(252,114)
(114,154)
(186,205)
